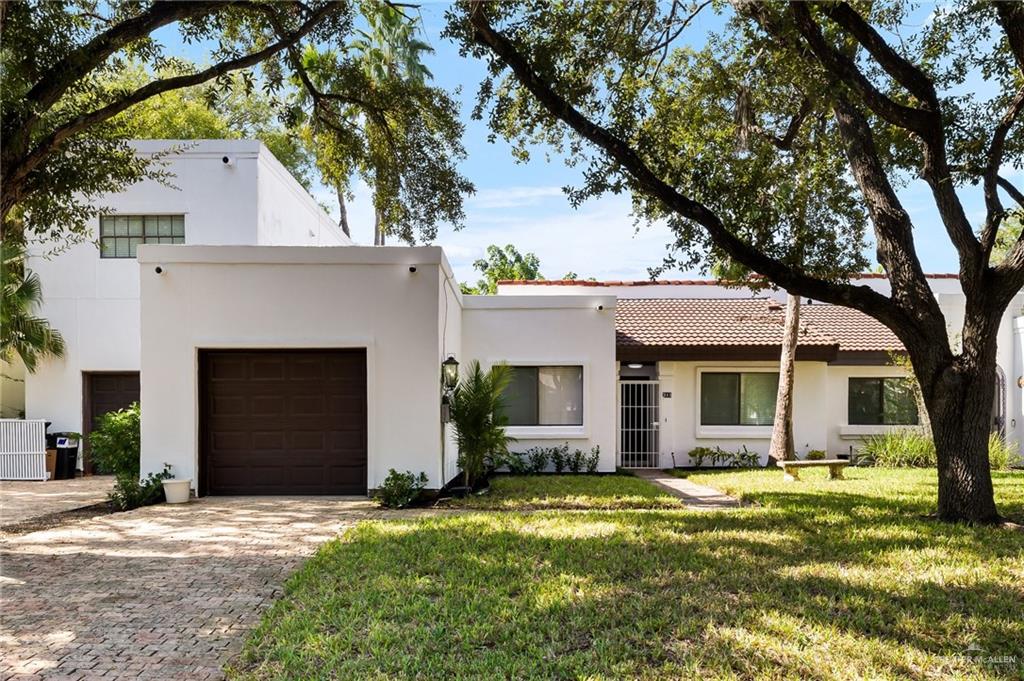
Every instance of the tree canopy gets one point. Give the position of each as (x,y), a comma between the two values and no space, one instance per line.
(775,140)
(74,74)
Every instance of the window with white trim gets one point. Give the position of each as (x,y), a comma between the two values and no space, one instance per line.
(738,398)
(545,396)
(120,235)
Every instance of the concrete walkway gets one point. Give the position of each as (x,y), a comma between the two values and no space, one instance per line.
(22,500)
(694,495)
(163,592)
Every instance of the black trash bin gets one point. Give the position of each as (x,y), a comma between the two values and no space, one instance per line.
(67,455)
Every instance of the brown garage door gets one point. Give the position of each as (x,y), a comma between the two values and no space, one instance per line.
(105,391)
(283,422)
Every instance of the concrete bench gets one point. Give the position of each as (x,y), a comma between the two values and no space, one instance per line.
(792,468)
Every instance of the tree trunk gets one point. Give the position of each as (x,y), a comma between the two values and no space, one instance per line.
(781,447)
(342,211)
(378,230)
(960,410)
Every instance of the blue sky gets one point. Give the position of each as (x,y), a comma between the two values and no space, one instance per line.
(523,204)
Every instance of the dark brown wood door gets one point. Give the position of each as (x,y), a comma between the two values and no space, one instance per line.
(283,422)
(105,392)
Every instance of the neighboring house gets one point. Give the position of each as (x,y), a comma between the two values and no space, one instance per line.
(271,356)
(224,192)
(698,365)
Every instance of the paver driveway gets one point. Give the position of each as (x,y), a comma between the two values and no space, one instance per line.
(164,592)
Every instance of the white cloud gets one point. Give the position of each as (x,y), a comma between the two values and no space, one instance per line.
(512,197)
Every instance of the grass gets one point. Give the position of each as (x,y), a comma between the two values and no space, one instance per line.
(532,492)
(821,580)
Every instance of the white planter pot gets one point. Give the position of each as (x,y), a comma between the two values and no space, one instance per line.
(176,491)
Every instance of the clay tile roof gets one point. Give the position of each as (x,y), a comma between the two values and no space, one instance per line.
(725,322)
(675,282)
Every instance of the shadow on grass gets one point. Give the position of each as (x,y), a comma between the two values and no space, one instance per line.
(656,594)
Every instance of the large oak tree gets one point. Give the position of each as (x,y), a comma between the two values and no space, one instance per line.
(848,103)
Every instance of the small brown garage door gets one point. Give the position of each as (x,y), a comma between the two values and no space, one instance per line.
(105,391)
(283,422)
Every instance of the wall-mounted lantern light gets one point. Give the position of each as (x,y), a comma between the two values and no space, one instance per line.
(450,373)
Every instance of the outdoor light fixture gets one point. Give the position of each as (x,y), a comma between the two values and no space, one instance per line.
(635,366)
(450,372)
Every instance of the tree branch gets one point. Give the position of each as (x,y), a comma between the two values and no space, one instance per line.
(1014,193)
(990,177)
(1011,18)
(859,297)
(48,144)
(925,123)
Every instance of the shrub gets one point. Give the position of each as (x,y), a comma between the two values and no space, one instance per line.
(560,457)
(898,448)
(716,456)
(593,459)
(576,461)
(698,454)
(538,458)
(816,455)
(517,463)
(400,489)
(479,420)
(116,447)
(130,492)
(1002,455)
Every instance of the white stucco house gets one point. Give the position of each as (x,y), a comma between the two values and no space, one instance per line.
(273,356)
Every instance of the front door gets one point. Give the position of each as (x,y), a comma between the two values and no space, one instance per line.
(639,417)
(104,391)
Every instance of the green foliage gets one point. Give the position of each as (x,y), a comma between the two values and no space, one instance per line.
(1003,455)
(116,442)
(22,333)
(400,489)
(479,419)
(560,457)
(913,448)
(816,455)
(538,458)
(232,109)
(535,460)
(718,457)
(65,146)
(503,264)
(898,448)
(370,113)
(116,447)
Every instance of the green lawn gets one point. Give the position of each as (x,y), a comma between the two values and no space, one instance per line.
(821,580)
(529,492)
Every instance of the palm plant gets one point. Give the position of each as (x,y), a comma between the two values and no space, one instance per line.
(22,333)
(479,419)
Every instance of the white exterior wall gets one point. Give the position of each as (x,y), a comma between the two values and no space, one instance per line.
(680,415)
(295,298)
(567,330)
(94,302)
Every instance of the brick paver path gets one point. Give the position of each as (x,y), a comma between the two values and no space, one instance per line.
(693,495)
(21,500)
(164,592)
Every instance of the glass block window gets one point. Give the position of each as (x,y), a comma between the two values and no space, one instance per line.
(120,235)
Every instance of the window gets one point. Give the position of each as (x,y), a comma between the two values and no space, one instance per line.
(545,396)
(120,235)
(882,401)
(738,399)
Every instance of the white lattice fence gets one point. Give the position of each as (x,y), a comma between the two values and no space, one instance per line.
(22,449)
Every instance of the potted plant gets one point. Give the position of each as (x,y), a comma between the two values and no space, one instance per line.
(176,490)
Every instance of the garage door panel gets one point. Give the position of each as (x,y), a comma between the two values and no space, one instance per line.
(284,422)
